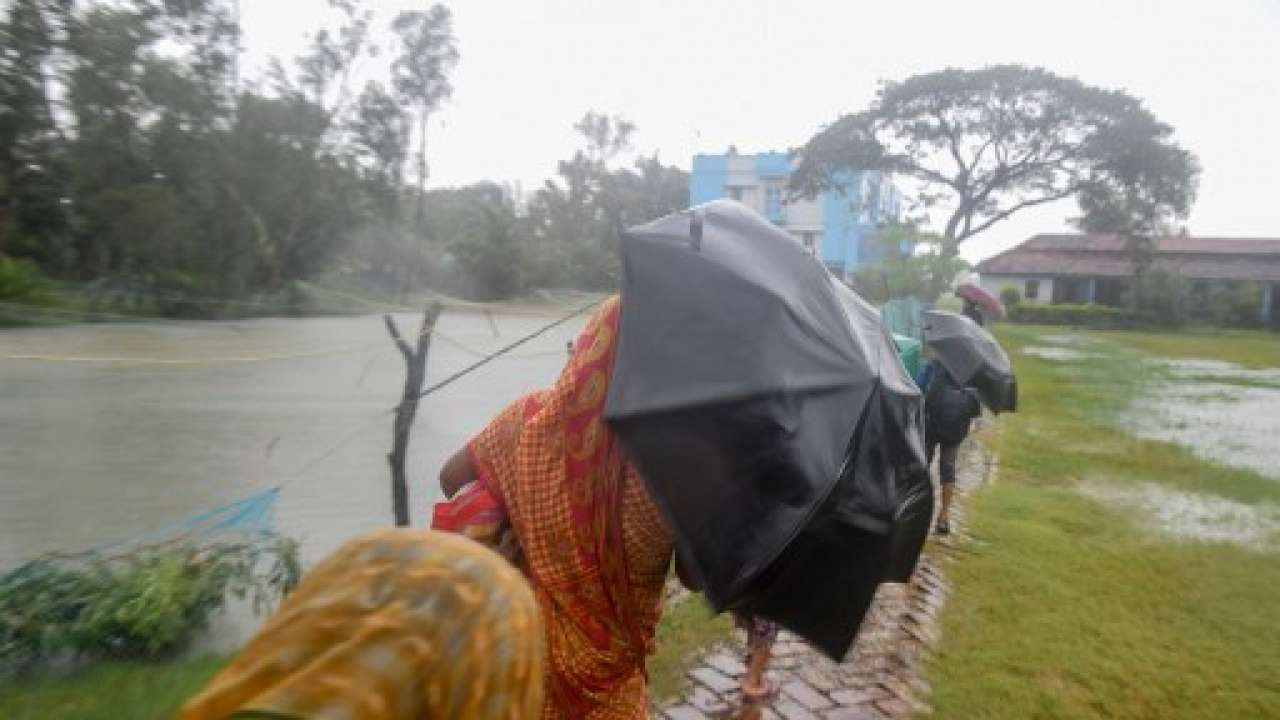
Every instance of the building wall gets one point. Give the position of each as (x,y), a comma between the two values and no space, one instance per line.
(995,283)
(708,179)
(833,226)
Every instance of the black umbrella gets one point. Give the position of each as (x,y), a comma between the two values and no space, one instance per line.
(766,407)
(972,357)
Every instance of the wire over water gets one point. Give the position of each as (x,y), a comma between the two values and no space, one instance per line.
(250,504)
(506,349)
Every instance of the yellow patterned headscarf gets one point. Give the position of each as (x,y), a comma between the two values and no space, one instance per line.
(397,624)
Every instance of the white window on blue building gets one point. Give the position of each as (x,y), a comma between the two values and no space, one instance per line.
(773,203)
(809,241)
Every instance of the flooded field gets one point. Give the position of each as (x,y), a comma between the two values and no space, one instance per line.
(1222,411)
(1195,516)
(1059,354)
(110,431)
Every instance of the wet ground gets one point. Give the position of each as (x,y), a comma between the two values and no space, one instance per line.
(1195,516)
(1224,412)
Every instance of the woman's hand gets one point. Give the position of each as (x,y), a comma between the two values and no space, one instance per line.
(456,473)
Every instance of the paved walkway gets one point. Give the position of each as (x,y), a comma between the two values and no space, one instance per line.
(880,679)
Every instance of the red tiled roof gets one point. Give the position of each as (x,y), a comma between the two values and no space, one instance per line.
(1105,256)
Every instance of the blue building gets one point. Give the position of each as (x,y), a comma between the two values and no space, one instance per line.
(836,226)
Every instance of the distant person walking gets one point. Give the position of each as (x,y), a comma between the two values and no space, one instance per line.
(949,409)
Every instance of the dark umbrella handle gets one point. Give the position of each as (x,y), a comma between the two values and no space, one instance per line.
(695,229)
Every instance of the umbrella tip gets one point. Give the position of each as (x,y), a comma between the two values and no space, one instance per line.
(695,229)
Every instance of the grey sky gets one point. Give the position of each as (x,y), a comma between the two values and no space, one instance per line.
(699,75)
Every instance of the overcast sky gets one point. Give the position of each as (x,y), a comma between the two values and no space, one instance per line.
(699,75)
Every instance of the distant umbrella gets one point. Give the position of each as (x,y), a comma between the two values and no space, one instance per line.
(972,357)
(982,298)
(765,406)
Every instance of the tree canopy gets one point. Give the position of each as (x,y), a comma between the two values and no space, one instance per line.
(985,144)
(135,159)
(907,263)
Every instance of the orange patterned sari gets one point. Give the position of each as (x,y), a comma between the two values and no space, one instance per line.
(594,544)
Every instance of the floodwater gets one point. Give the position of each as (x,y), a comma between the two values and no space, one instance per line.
(1195,516)
(1222,411)
(1057,354)
(110,431)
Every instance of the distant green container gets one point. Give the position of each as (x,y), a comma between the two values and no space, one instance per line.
(909,352)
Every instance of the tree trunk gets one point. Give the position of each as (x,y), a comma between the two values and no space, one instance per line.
(415,360)
(422,169)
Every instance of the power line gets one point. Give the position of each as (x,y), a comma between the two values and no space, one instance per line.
(508,348)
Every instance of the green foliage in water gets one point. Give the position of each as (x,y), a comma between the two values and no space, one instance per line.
(20,279)
(144,605)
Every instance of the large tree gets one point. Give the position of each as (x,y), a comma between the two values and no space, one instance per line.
(420,74)
(1139,196)
(575,220)
(33,182)
(987,143)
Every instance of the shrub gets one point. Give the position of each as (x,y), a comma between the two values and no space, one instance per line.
(1011,297)
(1094,316)
(143,605)
(20,279)
(1164,297)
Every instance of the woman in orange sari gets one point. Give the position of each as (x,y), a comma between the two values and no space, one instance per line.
(589,537)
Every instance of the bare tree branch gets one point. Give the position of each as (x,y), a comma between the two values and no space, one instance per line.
(403,346)
(1015,208)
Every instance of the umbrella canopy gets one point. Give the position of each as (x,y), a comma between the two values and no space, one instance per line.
(766,408)
(972,357)
(981,297)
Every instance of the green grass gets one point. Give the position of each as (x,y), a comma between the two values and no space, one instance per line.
(685,629)
(1250,348)
(110,691)
(1066,608)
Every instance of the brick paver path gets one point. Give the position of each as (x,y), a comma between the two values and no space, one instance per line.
(880,678)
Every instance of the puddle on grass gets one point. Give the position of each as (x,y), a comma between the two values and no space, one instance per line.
(1219,371)
(1222,411)
(1058,354)
(1194,516)
(1069,339)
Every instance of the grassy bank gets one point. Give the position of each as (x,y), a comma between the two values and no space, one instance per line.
(63,304)
(1066,606)
(137,691)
